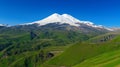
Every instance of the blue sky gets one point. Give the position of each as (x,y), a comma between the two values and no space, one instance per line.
(101,12)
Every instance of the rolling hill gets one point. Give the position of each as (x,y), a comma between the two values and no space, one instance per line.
(81,54)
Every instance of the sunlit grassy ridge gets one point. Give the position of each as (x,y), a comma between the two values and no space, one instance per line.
(110,59)
(80,52)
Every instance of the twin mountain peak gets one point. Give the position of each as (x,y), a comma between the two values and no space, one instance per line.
(64,19)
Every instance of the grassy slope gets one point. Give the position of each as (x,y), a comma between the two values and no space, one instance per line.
(82,51)
(74,55)
(14,44)
(19,59)
(110,59)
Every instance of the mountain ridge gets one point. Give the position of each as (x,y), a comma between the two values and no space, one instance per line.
(64,18)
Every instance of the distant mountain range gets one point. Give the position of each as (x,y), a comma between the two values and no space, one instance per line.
(2,25)
(64,19)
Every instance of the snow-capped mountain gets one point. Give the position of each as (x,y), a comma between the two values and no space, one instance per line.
(2,25)
(60,23)
(64,18)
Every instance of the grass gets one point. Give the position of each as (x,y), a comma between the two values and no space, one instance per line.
(65,55)
(80,52)
(110,59)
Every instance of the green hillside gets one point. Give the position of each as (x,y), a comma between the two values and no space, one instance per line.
(52,48)
(31,48)
(110,59)
(82,51)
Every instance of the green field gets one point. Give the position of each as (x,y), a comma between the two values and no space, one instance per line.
(81,54)
(110,59)
(71,49)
